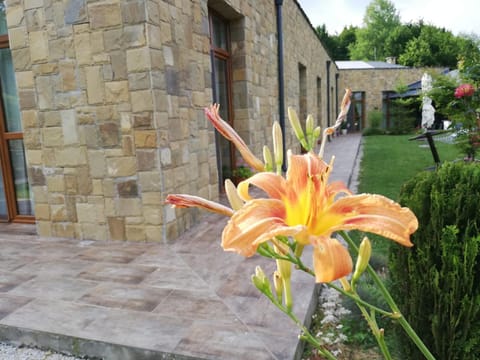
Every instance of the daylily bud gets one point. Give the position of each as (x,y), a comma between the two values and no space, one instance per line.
(309,126)
(316,133)
(278,284)
(345,284)
(261,282)
(267,157)
(232,195)
(364,253)
(277,146)
(297,128)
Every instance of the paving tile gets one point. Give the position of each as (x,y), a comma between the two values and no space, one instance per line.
(195,305)
(125,296)
(13,262)
(10,303)
(217,340)
(139,329)
(58,267)
(117,273)
(174,278)
(161,256)
(9,280)
(54,287)
(55,316)
(114,255)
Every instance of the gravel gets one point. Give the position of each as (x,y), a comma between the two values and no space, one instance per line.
(11,352)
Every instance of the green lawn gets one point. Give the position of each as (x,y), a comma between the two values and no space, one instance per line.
(388,161)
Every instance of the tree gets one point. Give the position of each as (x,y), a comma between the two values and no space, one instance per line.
(380,20)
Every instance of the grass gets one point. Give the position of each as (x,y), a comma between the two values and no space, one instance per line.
(389,161)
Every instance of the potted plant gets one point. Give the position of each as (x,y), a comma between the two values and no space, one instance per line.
(344,127)
(241,173)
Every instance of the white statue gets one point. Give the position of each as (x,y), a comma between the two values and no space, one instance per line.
(428,111)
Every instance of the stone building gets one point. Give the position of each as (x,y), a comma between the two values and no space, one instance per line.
(103,103)
(371,82)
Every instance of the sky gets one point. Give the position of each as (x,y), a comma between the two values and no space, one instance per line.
(458,16)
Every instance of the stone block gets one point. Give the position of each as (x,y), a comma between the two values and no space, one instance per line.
(128,207)
(127,188)
(17,38)
(152,198)
(134,12)
(69,127)
(44,228)
(93,232)
(83,49)
(128,146)
(15,15)
(71,184)
(87,213)
(104,14)
(141,100)
(139,81)
(45,92)
(32,4)
(145,138)
(116,91)
(52,137)
(71,156)
(29,118)
(121,166)
(38,41)
(27,99)
(95,85)
(109,134)
(154,36)
(56,183)
(75,12)
(134,36)
(67,74)
(146,159)
(154,233)
(149,181)
(21,59)
(116,228)
(152,215)
(119,65)
(64,230)
(58,213)
(143,121)
(42,212)
(138,60)
(25,80)
(35,19)
(34,157)
(135,233)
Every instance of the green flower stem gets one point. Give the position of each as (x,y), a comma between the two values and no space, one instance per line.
(305,335)
(388,298)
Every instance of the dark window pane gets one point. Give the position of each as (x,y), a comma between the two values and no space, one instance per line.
(9,92)
(20,179)
(219,33)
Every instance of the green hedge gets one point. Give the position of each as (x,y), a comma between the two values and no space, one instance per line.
(437,282)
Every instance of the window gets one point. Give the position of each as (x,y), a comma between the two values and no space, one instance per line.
(222,90)
(15,195)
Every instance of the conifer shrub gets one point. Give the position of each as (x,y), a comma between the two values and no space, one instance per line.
(437,282)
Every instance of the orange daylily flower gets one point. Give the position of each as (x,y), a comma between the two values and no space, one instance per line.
(305,206)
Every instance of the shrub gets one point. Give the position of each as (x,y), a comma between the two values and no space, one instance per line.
(437,282)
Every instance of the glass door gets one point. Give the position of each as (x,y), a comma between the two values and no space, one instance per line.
(15,195)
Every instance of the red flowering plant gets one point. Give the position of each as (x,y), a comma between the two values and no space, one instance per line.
(461,103)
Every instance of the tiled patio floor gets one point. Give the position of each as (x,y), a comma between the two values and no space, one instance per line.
(125,300)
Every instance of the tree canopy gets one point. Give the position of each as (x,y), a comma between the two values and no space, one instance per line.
(383,35)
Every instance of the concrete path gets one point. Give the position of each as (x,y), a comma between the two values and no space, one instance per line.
(126,300)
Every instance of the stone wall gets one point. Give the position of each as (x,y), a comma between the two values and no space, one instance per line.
(375,81)
(112,95)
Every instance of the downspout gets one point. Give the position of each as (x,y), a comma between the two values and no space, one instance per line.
(281,91)
(328,92)
(336,93)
